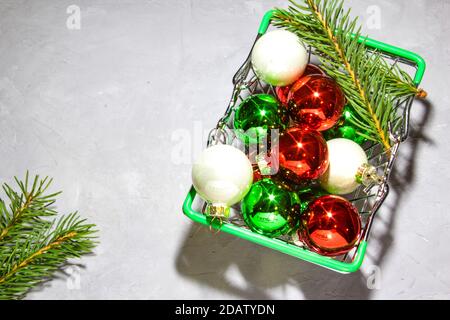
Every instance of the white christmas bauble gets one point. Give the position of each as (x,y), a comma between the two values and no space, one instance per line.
(279,58)
(345,158)
(222,175)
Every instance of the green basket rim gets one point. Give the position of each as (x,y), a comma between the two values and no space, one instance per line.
(276,244)
(375,44)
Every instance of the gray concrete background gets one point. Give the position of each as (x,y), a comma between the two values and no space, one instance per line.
(102,110)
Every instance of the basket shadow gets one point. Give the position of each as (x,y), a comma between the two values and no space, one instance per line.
(240,268)
(401,181)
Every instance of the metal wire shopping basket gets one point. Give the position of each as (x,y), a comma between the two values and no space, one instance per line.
(367,200)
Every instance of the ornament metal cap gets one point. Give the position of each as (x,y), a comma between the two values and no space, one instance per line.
(367,175)
(218,211)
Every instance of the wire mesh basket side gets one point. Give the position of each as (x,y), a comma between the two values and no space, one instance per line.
(366,199)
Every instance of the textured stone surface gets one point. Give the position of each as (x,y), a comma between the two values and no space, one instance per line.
(102,109)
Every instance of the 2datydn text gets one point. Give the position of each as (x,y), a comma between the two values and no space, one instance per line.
(225,309)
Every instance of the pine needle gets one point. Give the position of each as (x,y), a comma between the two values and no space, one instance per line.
(33,243)
(368,81)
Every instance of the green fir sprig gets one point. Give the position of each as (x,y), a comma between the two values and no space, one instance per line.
(34,243)
(370,84)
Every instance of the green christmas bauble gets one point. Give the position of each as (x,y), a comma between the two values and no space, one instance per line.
(345,129)
(309,194)
(270,209)
(256,115)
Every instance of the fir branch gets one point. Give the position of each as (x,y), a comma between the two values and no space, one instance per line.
(369,83)
(35,246)
(27,209)
(401,84)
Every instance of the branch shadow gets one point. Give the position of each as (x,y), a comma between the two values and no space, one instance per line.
(60,274)
(402,179)
(243,269)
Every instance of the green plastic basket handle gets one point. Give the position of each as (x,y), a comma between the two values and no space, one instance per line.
(417,60)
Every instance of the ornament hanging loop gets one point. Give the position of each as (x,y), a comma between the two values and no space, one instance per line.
(215,230)
(218,135)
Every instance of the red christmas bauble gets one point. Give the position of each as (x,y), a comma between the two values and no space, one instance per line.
(315,102)
(330,225)
(283,92)
(312,69)
(303,154)
(257,176)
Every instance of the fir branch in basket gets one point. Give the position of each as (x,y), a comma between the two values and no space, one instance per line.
(369,82)
(33,243)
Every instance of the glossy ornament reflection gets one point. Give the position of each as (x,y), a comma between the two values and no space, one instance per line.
(315,102)
(347,163)
(279,58)
(222,175)
(303,155)
(269,209)
(256,115)
(330,226)
(257,176)
(309,194)
(345,129)
(283,92)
